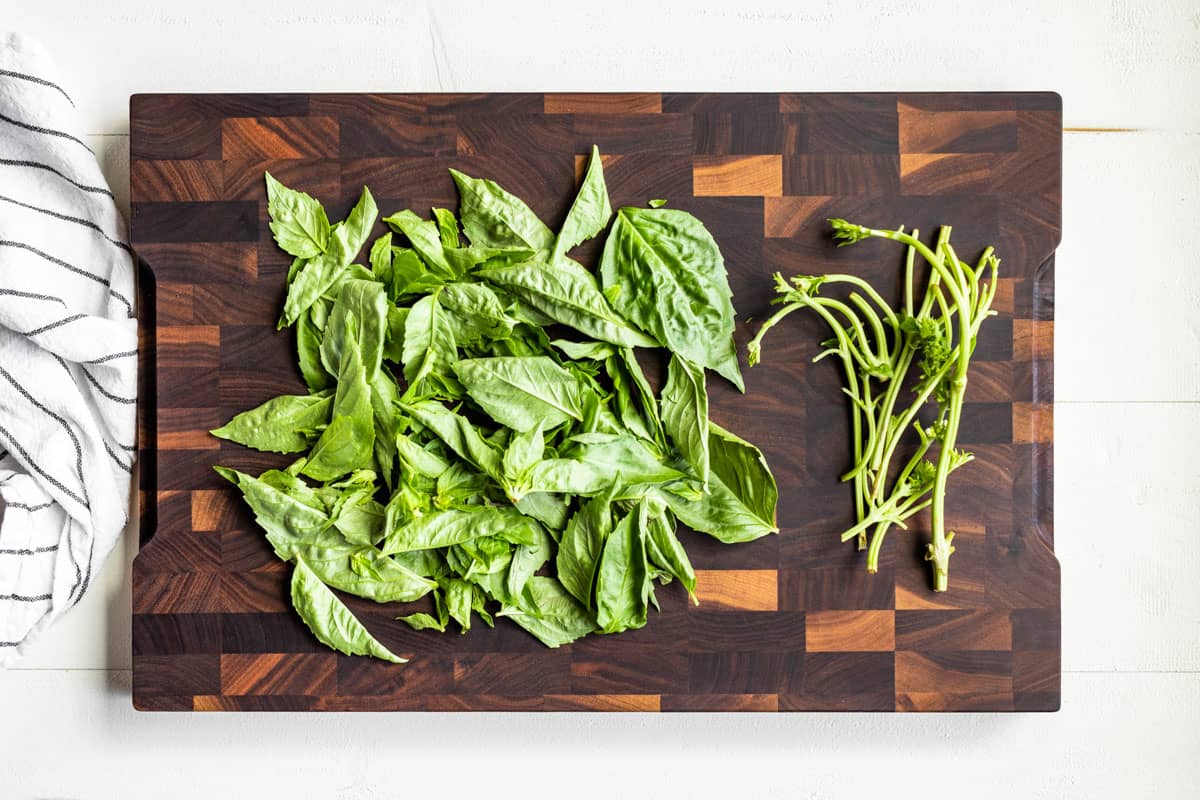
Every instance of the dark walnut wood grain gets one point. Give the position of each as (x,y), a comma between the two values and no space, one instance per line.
(789,623)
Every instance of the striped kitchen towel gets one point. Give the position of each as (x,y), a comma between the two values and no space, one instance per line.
(68,353)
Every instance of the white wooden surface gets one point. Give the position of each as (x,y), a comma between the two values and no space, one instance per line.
(1127,490)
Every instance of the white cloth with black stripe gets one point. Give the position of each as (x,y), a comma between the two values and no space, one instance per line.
(68,353)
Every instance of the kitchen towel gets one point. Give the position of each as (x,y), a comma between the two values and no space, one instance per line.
(68,353)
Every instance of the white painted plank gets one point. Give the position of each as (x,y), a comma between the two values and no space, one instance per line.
(1115,63)
(1127,532)
(1127,275)
(1118,736)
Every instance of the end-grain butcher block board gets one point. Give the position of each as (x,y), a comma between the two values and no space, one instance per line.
(791,622)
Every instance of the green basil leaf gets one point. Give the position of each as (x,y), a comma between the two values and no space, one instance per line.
(385,398)
(685,414)
(663,548)
(425,239)
(527,559)
(393,338)
(357,515)
(409,275)
(308,345)
(589,213)
(567,293)
(579,551)
(381,259)
(657,202)
(740,503)
(477,313)
(417,458)
(289,521)
(430,349)
(458,434)
(577,351)
(663,271)
(349,440)
(621,579)
(546,508)
(630,387)
(361,307)
(313,280)
(298,222)
(426,563)
(421,621)
(322,273)
(524,451)
(459,597)
(365,572)
(356,229)
(743,469)
(492,217)
(447,227)
(454,526)
(550,614)
(523,392)
(284,424)
(330,621)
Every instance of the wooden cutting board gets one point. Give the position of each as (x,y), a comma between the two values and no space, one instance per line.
(790,622)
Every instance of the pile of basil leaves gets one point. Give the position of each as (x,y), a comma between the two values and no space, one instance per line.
(508,473)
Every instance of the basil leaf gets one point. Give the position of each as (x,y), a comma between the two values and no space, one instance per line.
(319,274)
(409,275)
(381,259)
(459,596)
(421,621)
(579,551)
(430,349)
(589,213)
(527,559)
(329,619)
(604,462)
(464,259)
(361,307)
(313,279)
(447,227)
(524,451)
(418,459)
(477,313)
(356,229)
(663,271)
(546,508)
(288,521)
(365,572)
(550,614)
(393,338)
(685,414)
(628,388)
(523,392)
(458,434)
(567,293)
(740,503)
(743,469)
(454,526)
(621,579)
(492,217)
(358,516)
(284,424)
(385,397)
(664,550)
(577,351)
(425,239)
(348,442)
(298,222)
